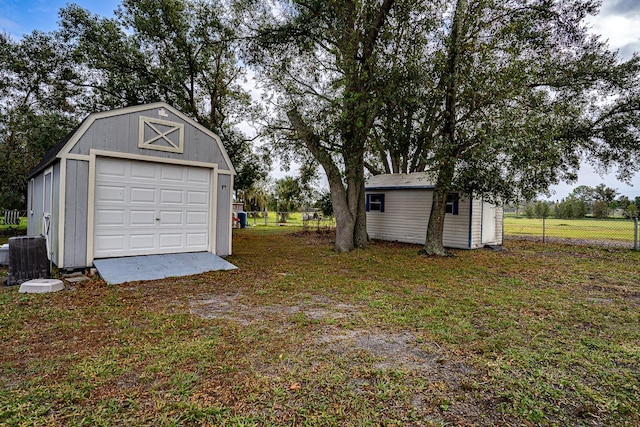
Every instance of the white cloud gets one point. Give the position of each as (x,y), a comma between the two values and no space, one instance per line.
(619,30)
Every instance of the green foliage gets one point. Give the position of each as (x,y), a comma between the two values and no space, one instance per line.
(538,209)
(325,204)
(289,195)
(35,109)
(601,209)
(571,207)
(322,62)
(181,52)
(631,211)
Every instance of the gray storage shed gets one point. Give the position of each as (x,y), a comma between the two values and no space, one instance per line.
(398,208)
(140,180)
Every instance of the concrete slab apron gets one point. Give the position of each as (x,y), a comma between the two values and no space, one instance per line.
(151,267)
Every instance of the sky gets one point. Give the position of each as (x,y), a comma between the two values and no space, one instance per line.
(618,23)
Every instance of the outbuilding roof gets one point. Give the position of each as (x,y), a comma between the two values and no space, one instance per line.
(72,137)
(399,181)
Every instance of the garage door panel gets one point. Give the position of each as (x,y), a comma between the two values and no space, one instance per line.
(172,173)
(171,241)
(142,241)
(197,218)
(111,217)
(110,193)
(143,195)
(196,239)
(144,171)
(111,168)
(200,198)
(198,176)
(161,208)
(109,243)
(171,218)
(140,218)
(172,196)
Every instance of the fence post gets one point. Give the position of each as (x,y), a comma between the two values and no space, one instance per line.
(635,234)
(543,230)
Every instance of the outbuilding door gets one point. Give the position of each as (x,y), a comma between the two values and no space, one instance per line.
(488,223)
(144,208)
(47,208)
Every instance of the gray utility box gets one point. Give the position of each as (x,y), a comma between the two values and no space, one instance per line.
(28,259)
(4,254)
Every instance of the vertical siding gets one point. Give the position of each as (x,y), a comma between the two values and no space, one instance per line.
(75,232)
(223,218)
(406,215)
(55,213)
(34,225)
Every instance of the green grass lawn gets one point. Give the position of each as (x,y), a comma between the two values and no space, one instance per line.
(7,231)
(533,335)
(596,229)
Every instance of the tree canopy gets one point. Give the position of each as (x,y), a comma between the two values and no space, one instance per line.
(499,99)
(181,52)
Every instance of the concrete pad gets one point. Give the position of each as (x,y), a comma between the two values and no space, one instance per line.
(152,267)
(40,286)
(76,279)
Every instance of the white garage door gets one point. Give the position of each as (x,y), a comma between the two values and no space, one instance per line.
(144,208)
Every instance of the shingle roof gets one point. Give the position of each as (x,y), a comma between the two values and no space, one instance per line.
(398,181)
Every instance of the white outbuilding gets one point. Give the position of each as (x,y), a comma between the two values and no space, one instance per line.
(141,180)
(398,208)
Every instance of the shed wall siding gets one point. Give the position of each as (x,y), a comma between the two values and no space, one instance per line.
(34,226)
(476,224)
(499,225)
(120,134)
(75,232)
(55,214)
(406,215)
(223,215)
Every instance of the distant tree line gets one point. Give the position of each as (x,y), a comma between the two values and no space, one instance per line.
(597,202)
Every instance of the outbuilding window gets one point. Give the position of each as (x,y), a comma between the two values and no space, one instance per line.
(452,204)
(375,202)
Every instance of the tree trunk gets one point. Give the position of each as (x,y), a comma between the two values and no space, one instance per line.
(348,200)
(433,244)
(360,236)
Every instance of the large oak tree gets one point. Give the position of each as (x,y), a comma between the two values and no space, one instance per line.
(514,95)
(325,64)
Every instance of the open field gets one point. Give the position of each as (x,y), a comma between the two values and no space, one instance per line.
(534,335)
(596,229)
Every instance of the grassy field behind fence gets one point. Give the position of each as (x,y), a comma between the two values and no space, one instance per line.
(605,229)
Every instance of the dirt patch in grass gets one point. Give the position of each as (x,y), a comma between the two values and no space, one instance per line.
(391,349)
(448,377)
(230,306)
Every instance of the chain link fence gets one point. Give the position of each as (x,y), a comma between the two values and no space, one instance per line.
(587,231)
(311,220)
